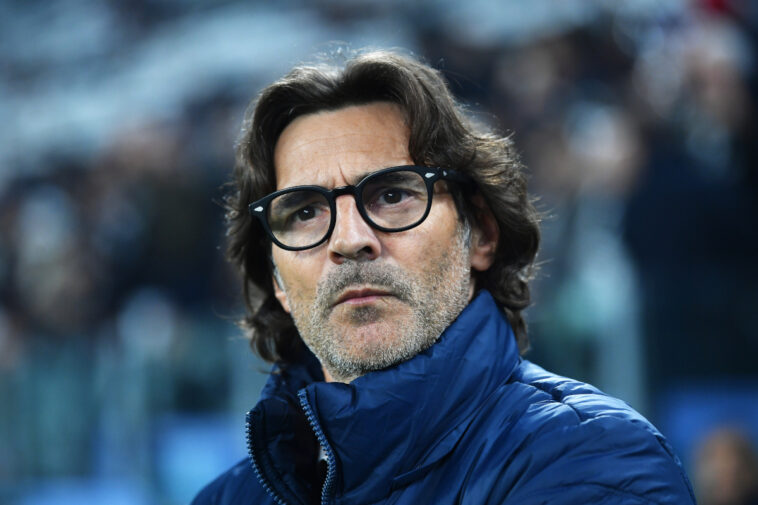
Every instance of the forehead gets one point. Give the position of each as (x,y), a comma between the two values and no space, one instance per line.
(339,147)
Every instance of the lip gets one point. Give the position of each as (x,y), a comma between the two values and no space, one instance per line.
(357,296)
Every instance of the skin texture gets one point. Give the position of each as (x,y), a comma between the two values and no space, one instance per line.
(403,288)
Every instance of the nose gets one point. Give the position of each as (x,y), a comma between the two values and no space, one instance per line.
(352,237)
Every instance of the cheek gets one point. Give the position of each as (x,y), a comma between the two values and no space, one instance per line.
(426,243)
(298,271)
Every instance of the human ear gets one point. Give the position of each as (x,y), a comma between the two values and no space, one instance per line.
(280,294)
(484,236)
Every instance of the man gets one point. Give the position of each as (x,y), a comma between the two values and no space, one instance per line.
(390,242)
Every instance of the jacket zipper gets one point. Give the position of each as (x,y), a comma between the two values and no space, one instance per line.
(331,466)
(257,464)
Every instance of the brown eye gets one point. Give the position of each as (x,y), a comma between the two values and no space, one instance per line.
(305,213)
(392,196)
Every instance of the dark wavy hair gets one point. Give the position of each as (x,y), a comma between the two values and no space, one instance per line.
(441,134)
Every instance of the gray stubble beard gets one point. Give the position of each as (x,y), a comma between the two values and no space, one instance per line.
(435,300)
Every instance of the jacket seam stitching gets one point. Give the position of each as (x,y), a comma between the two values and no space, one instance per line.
(612,489)
(549,390)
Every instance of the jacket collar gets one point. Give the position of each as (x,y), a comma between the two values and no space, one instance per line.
(388,428)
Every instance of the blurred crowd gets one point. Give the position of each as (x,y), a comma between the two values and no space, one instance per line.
(727,468)
(638,125)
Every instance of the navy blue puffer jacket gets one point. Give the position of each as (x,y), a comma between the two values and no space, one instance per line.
(466,422)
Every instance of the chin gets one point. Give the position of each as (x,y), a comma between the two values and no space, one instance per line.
(382,344)
(371,338)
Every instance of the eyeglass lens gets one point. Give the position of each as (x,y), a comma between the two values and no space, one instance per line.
(392,201)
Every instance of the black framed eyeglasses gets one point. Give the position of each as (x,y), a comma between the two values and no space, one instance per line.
(391,200)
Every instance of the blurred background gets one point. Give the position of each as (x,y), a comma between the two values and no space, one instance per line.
(123,379)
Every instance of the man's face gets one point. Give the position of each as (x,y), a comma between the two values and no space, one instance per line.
(366,299)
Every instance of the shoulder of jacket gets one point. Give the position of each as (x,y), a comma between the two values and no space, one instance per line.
(565,400)
(570,433)
(232,486)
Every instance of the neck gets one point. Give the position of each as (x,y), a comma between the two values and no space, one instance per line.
(327,376)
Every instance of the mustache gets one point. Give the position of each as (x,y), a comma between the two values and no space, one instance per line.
(387,277)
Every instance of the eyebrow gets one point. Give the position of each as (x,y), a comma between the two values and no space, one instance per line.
(359,177)
(353,180)
(294,199)
(367,173)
